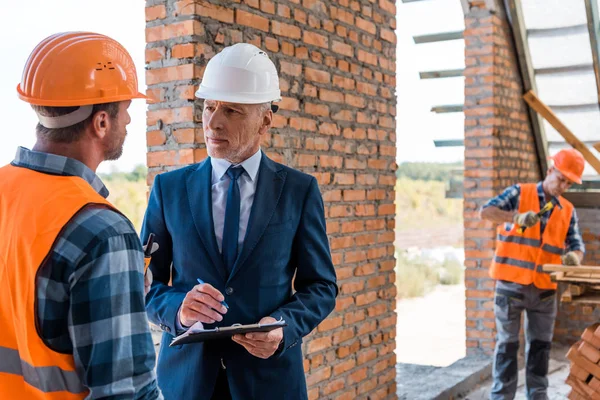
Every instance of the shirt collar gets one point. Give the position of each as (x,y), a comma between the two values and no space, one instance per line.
(251,165)
(58,165)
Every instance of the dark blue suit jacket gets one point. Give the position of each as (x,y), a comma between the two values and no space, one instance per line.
(286,235)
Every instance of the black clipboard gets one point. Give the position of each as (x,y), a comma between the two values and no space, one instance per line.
(224,332)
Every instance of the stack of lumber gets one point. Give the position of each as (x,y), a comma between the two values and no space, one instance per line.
(583,282)
(584,377)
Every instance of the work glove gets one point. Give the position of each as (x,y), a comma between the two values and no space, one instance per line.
(526,219)
(148,275)
(571,258)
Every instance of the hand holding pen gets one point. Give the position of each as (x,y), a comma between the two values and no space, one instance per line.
(203,303)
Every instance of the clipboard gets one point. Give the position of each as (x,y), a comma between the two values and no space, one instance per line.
(224,332)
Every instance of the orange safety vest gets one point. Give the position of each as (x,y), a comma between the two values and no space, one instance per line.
(34,209)
(519,257)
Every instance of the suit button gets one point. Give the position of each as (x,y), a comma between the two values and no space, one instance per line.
(229,291)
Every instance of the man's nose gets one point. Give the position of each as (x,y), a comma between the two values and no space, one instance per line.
(215,120)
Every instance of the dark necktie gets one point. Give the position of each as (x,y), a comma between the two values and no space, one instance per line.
(232,219)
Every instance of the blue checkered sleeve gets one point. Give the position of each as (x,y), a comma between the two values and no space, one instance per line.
(91,304)
(574,239)
(508,200)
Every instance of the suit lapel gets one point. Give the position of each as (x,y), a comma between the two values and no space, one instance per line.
(199,185)
(271,180)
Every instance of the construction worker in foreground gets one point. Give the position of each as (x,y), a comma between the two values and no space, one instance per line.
(521,285)
(72,301)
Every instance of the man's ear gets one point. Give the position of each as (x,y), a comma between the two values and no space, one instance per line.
(267,121)
(100,124)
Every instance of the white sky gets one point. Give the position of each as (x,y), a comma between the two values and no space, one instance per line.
(32,20)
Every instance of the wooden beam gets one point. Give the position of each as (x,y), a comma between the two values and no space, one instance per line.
(447,108)
(549,116)
(571,268)
(447,73)
(597,146)
(591,10)
(526,66)
(438,37)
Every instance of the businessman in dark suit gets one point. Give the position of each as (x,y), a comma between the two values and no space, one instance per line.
(249,228)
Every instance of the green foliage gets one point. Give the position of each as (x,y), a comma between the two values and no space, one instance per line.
(422,204)
(138,174)
(416,277)
(129,197)
(441,172)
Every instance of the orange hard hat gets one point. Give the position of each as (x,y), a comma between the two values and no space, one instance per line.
(570,163)
(77,69)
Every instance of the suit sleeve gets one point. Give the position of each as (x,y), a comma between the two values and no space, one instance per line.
(315,281)
(162,301)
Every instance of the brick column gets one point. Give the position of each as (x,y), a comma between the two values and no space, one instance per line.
(336,62)
(499,152)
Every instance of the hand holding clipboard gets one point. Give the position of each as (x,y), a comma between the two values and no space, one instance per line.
(197,334)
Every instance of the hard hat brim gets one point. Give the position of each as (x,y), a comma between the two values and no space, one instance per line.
(79,102)
(569,175)
(240,98)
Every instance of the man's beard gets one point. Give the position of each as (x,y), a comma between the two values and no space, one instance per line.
(115,150)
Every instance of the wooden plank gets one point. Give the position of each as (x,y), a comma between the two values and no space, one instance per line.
(446,73)
(591,11)
(587,299)
(527,74)
(566,296)
(577,290)
(597,146)
(547,113)
(438,37)
(564,268)
(582,280)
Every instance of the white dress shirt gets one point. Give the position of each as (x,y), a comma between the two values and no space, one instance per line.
(220,185)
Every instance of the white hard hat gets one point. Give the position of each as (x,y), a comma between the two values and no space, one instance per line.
(241,73)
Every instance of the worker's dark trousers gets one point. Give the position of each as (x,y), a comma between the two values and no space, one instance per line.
(511,299)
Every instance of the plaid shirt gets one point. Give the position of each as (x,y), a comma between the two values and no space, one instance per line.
(509,201)
(90,293)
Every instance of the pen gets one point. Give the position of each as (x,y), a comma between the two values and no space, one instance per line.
(200,281)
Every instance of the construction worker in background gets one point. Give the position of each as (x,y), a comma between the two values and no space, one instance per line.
(72,305)
(550,238)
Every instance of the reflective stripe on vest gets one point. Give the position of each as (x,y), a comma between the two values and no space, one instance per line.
(46,379)
(519,257)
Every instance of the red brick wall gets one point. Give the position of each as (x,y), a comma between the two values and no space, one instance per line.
(336,62)
(499,152)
